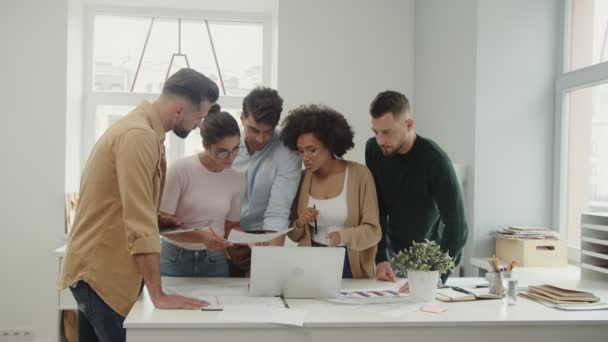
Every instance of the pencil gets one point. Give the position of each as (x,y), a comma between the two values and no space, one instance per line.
(217,237)
(492,264)
(511,265)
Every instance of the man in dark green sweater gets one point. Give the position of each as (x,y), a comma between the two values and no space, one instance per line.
(418,193)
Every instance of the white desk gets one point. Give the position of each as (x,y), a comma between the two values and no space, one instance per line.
(490,320)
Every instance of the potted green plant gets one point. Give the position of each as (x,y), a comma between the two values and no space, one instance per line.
(423,262)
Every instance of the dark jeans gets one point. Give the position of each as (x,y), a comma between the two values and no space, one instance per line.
(346,271)
(97,322)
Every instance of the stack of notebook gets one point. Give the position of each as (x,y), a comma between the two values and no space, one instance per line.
(518,232)
(562,298)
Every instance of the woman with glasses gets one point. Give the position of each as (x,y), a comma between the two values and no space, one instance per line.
(203,191)
(336,203)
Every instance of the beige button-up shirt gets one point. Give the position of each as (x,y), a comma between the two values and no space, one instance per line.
(117,209)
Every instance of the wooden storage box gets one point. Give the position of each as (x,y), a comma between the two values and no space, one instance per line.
(533,253)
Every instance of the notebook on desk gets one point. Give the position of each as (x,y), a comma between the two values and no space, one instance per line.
(564,299)
(459,294)
(558,295)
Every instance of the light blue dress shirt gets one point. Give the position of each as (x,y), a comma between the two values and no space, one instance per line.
(272,177)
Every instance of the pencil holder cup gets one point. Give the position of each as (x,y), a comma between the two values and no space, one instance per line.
(497,282)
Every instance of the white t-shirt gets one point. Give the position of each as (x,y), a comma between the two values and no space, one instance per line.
(332,214)
(195,195)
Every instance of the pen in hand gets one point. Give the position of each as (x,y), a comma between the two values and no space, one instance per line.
(315,222)
(217,237)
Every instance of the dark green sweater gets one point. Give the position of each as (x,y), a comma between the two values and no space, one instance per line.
(419,198)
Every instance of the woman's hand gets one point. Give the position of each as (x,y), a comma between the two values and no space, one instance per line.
(167,221)
(307,216)
(213,241)
(333,239)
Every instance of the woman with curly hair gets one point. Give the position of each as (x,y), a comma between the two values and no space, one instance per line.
(336,203)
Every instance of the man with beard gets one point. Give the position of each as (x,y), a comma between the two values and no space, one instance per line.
(114,243)
(418,193)
(272,174)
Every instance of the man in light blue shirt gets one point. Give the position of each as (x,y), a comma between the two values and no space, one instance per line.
(272,172)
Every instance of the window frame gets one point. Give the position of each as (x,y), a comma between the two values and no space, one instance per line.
(566,82)
(91,98)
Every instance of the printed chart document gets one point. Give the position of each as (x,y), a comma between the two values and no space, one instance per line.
(360,297)
(237,236)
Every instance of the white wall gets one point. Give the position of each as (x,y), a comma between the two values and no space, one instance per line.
(32,145)
(342,53)
(517,60)
(74,92)
(445,68)
(485,73)
(444,108)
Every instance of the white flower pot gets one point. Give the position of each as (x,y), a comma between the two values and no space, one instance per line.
(423,285)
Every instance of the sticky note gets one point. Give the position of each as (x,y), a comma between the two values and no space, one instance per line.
(433,308)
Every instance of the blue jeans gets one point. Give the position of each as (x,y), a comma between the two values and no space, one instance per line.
(346,271)
(179,262)
(97,322)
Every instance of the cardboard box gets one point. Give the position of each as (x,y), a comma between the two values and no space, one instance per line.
(533,253)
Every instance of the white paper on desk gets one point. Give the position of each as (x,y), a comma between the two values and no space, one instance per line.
(225,301)
(214,301)
(254,314)
(237,236)
(252,302)
(574,307)
(582,307)
(197,291)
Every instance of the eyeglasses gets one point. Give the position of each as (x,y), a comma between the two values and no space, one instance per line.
(223,154)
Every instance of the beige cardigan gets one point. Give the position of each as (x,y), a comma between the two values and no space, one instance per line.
(362,228)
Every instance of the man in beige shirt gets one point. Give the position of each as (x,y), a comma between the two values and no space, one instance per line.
(114,243)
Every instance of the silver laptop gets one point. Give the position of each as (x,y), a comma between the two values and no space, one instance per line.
(296,272)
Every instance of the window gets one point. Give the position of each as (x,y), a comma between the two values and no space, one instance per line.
(130,55)
(582,119)
(588,34)
(587,168)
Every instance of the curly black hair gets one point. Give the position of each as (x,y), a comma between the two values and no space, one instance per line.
(264,104)
(325,123)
